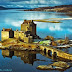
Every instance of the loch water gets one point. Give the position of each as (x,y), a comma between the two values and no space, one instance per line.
(20,61)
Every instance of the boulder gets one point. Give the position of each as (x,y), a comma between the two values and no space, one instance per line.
(55,66)
(53,43)
(44,67)
(49,38)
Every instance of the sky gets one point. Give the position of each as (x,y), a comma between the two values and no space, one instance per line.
(33,3)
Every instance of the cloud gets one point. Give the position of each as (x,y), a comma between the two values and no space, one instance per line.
(13,22)
(54,28)
(38,3)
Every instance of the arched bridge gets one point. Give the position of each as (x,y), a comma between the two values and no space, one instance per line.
(51,51)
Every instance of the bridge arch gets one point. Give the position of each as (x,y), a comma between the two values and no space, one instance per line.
(55,54)
(50,53)
(45,51)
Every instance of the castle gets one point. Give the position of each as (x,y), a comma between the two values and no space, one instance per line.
(27,33)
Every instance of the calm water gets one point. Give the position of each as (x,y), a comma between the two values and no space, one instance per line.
(25,61)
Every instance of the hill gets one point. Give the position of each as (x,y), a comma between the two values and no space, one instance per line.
(61,8)
(2,8)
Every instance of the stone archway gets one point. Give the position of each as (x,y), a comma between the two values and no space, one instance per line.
(50,53)
(55,54)
(45,51)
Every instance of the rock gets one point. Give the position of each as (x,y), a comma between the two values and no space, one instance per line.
(55,66)
(61,64)
(44,67)
(49,67)
(53,43)
(49,38)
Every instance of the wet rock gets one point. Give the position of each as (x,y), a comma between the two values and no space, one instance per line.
(61,64)
(55,66)
(44,67)
(53,43)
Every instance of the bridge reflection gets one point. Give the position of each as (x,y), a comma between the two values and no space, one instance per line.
(54,56)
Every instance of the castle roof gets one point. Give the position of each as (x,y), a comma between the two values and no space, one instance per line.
(27,21)
(7,29)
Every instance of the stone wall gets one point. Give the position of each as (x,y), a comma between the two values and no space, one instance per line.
(28,39)
(29,27)
(4,35)
(19,35)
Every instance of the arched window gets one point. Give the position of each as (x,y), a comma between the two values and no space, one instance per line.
(27,28)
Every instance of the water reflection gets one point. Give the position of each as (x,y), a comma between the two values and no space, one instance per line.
(30,57)
(26,57)
(54,57)
(7,53)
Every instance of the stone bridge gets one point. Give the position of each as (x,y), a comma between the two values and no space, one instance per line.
(50,51)
(55,52)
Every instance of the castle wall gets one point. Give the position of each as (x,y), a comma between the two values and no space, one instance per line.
(16,34)
(29,27)
(24,27)
(28,39)
(34,29)
(4,35)
(19,34)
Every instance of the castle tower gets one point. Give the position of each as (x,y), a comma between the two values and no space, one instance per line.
(29,25)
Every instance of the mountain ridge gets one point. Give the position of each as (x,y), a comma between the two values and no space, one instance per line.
(61,8)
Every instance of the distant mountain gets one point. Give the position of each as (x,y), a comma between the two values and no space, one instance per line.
(2,8)
(61,8)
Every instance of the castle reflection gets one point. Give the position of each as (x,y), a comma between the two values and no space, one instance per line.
(26,56)
(7,53)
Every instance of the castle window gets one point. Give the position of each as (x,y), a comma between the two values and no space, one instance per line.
(27,28)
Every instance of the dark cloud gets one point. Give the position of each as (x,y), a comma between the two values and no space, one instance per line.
(12,0)
(36,2)
(17,0)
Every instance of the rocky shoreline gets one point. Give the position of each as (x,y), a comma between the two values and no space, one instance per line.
(55,66)
(61,8)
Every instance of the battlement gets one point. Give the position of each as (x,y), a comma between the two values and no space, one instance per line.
(28,21)
(6,29)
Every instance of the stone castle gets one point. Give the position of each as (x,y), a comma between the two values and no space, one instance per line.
(27,33)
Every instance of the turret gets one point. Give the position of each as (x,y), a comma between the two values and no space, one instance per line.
(3,29)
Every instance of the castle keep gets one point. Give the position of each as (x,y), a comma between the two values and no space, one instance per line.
(29,25)
(27,33)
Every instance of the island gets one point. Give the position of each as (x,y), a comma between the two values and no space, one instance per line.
(27,39)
